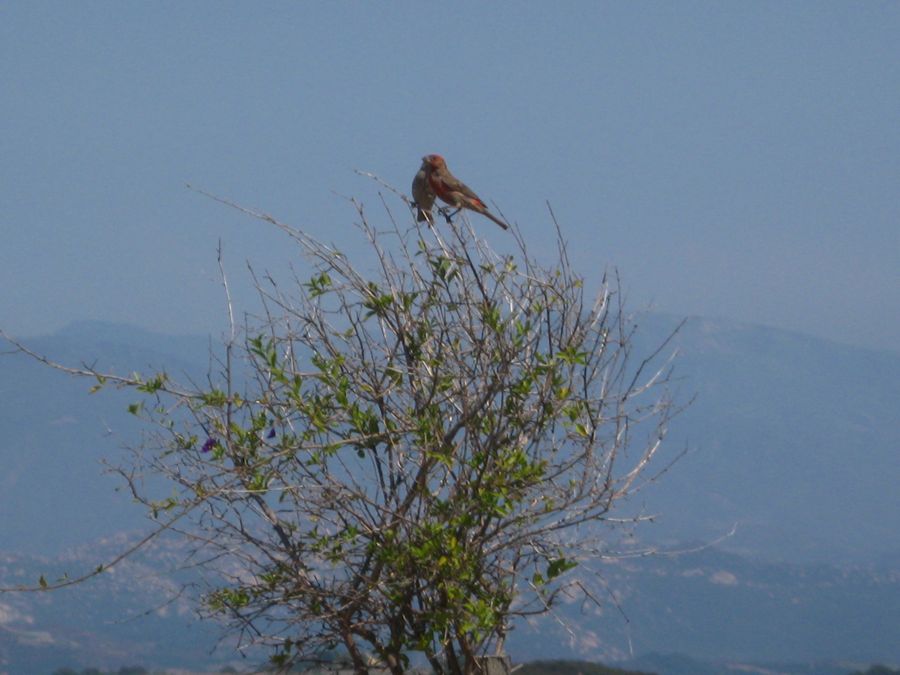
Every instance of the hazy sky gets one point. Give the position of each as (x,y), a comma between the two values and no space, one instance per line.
(731,159)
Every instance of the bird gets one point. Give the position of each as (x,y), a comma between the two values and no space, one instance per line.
(423,195)
(453,191)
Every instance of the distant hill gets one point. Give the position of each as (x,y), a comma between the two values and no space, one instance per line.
(724,607)
(54,491)
(731,615)
(793,439)
(132,614)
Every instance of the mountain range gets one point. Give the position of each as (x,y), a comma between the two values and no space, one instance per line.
(790,468)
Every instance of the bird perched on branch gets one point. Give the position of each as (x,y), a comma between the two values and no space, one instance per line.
(450,189)
(423,196)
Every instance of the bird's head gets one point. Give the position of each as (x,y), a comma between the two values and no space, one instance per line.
(434,161)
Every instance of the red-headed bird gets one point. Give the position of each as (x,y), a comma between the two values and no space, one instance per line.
(452,190)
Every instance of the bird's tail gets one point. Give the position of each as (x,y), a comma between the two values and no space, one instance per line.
(495,219)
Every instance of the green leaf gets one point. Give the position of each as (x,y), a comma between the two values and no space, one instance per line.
(559,566)
(214,398)
(154,384)
(101,380)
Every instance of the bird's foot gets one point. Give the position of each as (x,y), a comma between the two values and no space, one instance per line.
(448,216)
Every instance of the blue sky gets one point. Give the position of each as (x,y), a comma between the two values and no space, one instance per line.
(731,159)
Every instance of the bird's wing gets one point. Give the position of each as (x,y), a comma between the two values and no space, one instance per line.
(458,186)
(454,184)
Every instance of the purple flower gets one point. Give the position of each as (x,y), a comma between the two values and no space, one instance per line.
(209,444)
(271,433)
